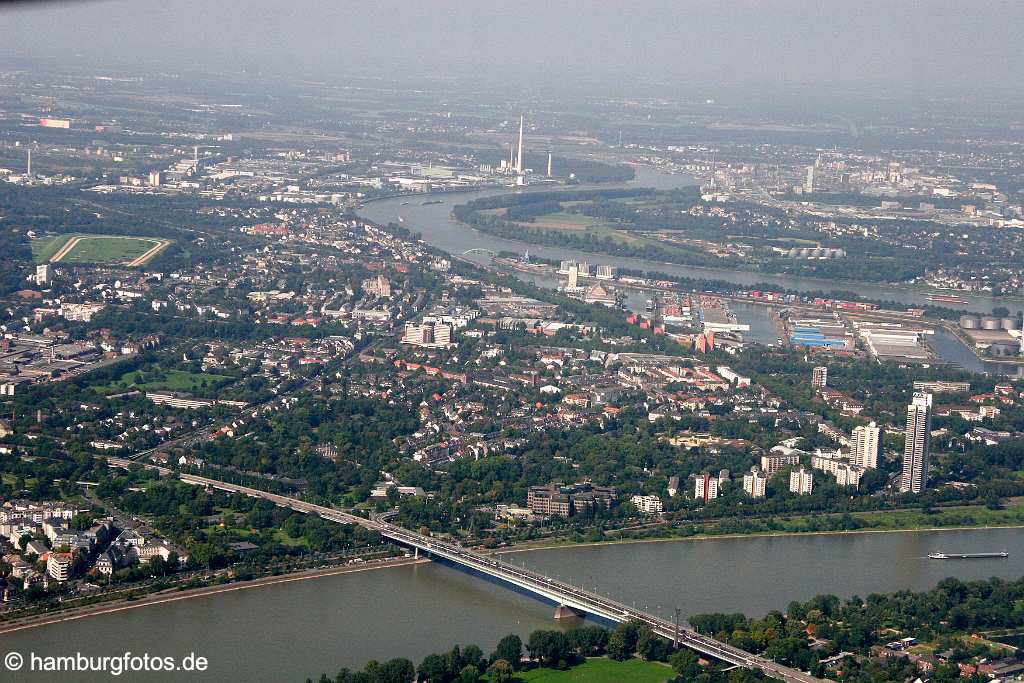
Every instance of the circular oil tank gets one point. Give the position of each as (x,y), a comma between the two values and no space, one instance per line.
(1010,324)
(969,322)
(989,323)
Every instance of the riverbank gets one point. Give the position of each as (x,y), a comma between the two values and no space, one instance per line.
(901,521)
(825,284)
(173,595)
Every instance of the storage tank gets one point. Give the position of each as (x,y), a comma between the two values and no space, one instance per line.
(1010,324)
(990,323)
(969,322)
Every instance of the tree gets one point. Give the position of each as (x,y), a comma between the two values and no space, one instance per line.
(434,668)
(500,671)
(684,662)
(398,670)
(550,647)
(469,674)
(509,648)
(473,656)
(617,648)
(589,640)
(651,646)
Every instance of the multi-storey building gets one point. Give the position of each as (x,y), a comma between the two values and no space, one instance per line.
(567,500)
(918,436)
(865,445)
(819,377)
(705,487)
(801,481)
(60,566)
(777,460)
(647,505)
(755,482)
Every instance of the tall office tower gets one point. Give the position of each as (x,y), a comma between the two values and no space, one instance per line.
(865,445)
(919,442)
(819,377)
(809,181)
(574,273)
(705,487)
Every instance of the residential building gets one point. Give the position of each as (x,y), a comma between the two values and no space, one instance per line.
(755,482)
(647,505)
(705,487)
(567,500)
(43,274)
(178,400)
(673,486)
(845,472)
(60,566)
(916,452)
(801,481)
(942,386)
(432,335)
(819,377)
(779,458)
(865,445)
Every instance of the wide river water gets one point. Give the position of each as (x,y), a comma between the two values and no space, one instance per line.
(290,631)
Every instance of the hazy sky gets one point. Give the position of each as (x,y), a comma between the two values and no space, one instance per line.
(929,45)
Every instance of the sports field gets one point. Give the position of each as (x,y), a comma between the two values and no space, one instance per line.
(106,249)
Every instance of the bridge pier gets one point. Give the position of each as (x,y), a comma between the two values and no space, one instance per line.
(416,553)
(566,612)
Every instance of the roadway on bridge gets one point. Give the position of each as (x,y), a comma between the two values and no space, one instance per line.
(534,582)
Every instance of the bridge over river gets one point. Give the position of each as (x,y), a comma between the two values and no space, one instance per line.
(563,594)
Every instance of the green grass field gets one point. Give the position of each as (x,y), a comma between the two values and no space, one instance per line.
(169,380)
(602,670)
(43,249)
(565,220)
(105,249)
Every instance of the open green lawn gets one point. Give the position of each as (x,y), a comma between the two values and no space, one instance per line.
(282,537)
(165,380)
(565,220)
(602,670)
(93,248)
(43,249)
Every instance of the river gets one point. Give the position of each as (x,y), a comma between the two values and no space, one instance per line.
(287,632)
(435,224)
(437,227)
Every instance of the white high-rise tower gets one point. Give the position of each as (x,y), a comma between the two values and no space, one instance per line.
(865,445)
(918,444)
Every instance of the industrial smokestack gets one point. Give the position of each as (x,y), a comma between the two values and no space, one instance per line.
(549,164)
(519,162)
